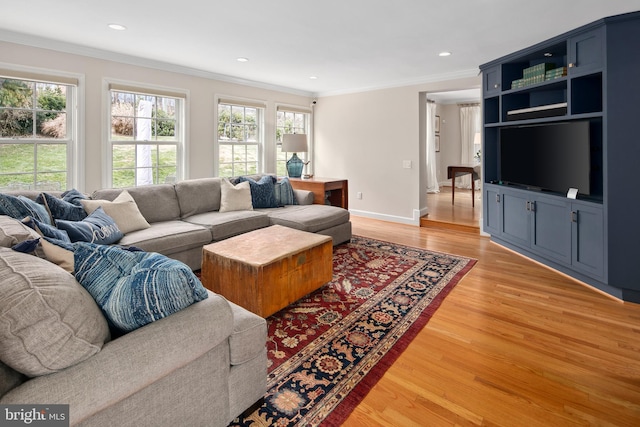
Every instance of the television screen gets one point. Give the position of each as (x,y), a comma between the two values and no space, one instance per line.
(550,157)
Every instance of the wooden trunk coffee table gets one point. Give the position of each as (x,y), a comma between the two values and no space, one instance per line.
(267,269)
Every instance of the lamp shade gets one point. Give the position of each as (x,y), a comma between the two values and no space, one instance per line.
(294,142)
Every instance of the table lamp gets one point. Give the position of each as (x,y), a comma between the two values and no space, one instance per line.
(296,143)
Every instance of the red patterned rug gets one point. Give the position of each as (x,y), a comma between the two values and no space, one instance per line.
(327,350)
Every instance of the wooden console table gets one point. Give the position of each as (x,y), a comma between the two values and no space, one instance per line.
(320,187)
(459,170)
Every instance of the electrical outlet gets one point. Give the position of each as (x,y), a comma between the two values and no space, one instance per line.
(359,195)
(406,164)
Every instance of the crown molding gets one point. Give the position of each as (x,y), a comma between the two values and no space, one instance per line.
(462,74)
(72,48)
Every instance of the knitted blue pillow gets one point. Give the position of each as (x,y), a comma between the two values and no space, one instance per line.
(135,288)
(262,192)
(96,228)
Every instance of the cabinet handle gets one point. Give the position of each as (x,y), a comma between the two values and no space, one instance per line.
(571,65)
(496,86)
(497,198)
(574,216)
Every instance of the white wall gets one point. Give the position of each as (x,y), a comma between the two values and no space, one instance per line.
(365,137)
(201,103)
(450,140)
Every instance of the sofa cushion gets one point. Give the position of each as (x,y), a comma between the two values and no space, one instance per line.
(98,227)
(235,197)
(248,337)
(198,196)
(13,232)
(168,237)
(48,322)
(158,202)
(135,288)
(123,209)
(223,225)
(312,218)
(262,192)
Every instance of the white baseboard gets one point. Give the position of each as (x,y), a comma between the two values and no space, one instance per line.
(392,218)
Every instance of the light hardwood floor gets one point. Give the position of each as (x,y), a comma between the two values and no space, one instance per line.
(514,344)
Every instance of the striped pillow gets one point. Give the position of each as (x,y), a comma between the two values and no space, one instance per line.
(135,288)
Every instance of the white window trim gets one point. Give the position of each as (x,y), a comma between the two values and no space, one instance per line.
(76,149)
(182,165)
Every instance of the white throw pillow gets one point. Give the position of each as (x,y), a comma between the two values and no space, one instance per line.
(235,198)
(123,210)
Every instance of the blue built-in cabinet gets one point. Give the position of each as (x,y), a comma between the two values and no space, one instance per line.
(594,238)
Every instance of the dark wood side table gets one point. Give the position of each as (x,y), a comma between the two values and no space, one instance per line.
(325,190)
(459,170)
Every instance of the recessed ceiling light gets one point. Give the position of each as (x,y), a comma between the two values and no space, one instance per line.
(548,54)
(314,77)
(242,59)
(117,27)
(444,54)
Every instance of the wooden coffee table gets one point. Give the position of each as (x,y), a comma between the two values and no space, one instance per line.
(267,269)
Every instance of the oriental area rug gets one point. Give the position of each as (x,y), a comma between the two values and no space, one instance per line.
(327,350)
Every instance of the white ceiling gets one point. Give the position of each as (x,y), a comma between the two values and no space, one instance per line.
(350,45)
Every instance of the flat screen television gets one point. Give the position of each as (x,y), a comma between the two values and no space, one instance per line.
(548,157)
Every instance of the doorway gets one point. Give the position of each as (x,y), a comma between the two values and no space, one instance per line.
(441,211)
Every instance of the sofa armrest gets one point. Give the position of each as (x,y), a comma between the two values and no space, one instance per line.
(304,197)
(131,362)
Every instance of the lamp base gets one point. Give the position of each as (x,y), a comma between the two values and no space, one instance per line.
(294,166)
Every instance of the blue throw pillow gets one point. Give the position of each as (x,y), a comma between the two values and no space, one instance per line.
(262,192)
(46,230)
(39,211)
(96,228)
(284,193)
(19,208)
(61,209)
(135,288)
(73,196)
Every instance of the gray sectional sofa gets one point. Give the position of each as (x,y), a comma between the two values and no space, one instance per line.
(185,216)
(201,366)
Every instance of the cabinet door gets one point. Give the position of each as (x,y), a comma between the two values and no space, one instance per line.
(491,204)
(551,231)
(491,81)
(516,222)
(587,244)
(585,53)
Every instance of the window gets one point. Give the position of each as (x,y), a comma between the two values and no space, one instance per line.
(289,121)
(146,137)
(37,133)
(240,138)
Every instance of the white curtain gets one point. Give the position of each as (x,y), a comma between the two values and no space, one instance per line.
(469,126)
(432,175)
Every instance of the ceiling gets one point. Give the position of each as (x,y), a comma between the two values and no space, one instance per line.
(349,45)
